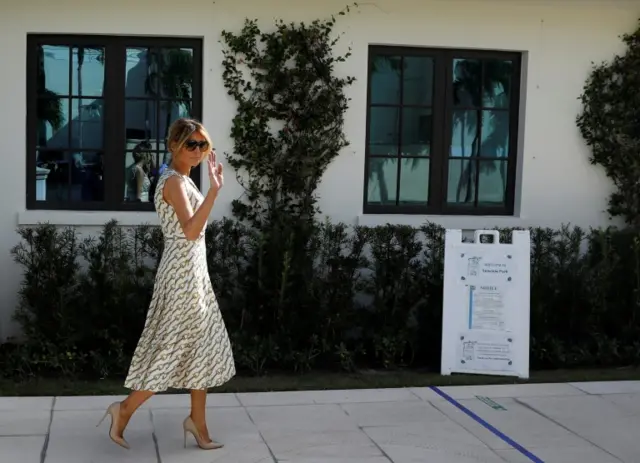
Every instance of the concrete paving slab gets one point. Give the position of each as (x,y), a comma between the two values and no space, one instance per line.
(26,422)
(448,443)
(608,387)
(425,393)
(393,413)
(326,397)
(267,399)
(99,402)
(183,401)
(364,396)
(312,431)
(420,455)
(582,454)
(558,423)
(630,403)
(422,440)
(472,426)
(521,424)
(23,449)
(302,418)
(25,403)
(156,402)
(335,460)
(320,444)
(596,420)
(223,400)
(231,426)
(511,390)
(74,438)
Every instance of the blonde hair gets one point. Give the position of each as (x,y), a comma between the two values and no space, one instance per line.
(181,130)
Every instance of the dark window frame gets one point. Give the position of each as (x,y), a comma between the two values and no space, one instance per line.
(114,141)
(442,111)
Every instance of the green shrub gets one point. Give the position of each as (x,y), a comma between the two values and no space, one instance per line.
(368,297)
(83,301)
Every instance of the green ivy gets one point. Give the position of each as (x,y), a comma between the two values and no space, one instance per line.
(290,116)
(288,128)
(610,125)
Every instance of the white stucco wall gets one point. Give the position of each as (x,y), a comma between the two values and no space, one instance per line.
(560,39)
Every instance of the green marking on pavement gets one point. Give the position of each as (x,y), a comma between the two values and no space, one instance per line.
(491,403)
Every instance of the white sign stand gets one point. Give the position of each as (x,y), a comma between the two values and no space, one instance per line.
(485,320)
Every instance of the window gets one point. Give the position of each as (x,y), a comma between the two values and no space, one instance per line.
(441,131)
(98,110)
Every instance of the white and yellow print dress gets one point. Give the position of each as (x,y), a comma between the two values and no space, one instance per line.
(184,343)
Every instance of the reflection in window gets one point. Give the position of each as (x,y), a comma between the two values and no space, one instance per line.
(400,126)
(86,123)
(137,180)
(87,71)
(69,108)
(158,90)
(480,132)
(441,126)
(87,139)
(382,184)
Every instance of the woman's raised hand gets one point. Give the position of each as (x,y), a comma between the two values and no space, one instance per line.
(216,176)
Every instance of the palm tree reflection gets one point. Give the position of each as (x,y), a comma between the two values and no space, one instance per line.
(477,85)
(481,90)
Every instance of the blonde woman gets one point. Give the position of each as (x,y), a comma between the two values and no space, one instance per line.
(184,343)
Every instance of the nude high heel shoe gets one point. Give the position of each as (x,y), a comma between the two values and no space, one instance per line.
(114,411)
(189,427)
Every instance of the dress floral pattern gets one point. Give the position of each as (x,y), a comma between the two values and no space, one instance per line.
(184,343)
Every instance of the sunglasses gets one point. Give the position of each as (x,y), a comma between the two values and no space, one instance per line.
(191,145)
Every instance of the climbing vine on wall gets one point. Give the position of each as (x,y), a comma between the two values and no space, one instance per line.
(289,126)
(610,124)
(290,115)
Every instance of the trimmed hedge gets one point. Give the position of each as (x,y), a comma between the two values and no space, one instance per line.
(359,298)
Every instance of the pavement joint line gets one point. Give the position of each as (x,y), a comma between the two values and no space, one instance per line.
(344,410)
(363,431)
(151,407)
(487,425)
(618,406)
(453,419)
(154,437)
(45,446)
(306,404)
(411,391)
(275,460)
(584,391)
(380,449)
(538,412)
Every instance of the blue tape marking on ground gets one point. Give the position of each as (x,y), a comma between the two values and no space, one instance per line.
(494,430)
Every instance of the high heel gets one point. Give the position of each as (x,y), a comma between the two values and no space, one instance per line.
(114,411)
(189,427)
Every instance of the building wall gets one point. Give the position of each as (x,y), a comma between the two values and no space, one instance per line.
(560,38)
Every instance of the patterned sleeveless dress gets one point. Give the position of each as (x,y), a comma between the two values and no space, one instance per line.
(184,344)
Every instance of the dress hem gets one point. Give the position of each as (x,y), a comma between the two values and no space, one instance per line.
(178,385)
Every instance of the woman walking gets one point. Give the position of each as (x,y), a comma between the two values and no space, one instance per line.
(184,343)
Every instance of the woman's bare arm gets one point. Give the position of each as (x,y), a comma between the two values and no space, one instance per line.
(192,223)
(139,182)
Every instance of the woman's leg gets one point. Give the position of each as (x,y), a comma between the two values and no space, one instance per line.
(198,413)
(129,406)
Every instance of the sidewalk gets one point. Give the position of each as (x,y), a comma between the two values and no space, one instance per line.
(555,423)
